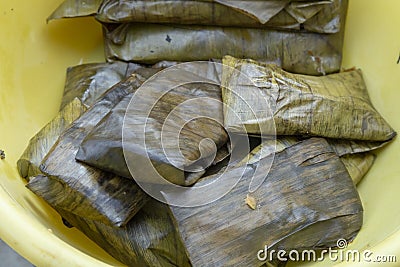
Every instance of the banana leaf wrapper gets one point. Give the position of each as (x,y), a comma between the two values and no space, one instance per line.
(307,201)
(149,239)
(39,145)
(88,82)
(84,85)
(149,43)
(73,8)
(313,16)
(103,149)
(92,193)
(334,106)
(357,164)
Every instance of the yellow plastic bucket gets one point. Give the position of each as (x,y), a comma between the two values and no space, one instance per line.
(33,59)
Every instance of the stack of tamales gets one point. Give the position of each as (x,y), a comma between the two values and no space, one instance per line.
(285,148)
(300,36)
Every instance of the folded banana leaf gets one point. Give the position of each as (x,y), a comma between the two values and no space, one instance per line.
(149,239)
(314,16)
(334,106)
(84,85)
(345,147)
(93,194)
(299,52)
(308,201)
(73,8)
(41,143)
(356,155)
(357,164)
(89,81)
(103,149)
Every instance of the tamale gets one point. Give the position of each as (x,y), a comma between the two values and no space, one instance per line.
(149,43)
(41,143)
(93,194)
(334,106)
(315,16)
(167,122)
(308,201)
(149,239)
(89,81)
(103,149)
